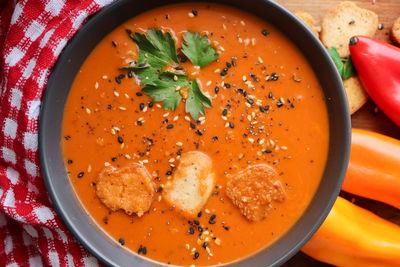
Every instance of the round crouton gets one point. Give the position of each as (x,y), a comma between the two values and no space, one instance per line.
(395,32)
(254,189)
(345,21)
(129,188)
(356,95)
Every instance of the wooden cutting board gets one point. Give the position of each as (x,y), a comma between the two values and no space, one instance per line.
(388,11)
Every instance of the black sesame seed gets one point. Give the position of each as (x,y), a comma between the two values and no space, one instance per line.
(224,112)
(196,255)
(200,229)
(213,217)
(196,222)
(150,104)
(231,125)
(141,65)
(170,126)
(216,89)
(140,249)
(205,244)
(194,11)
(199,214)
(109,107)
(261,109)
(279,104)
(139,123)
(105,220)
(270,95)
(234,63)
(267,151)
(69,161)
(264,32)
(199,132)
(178,68)
(114,159)
(80,175)
(67,137)
(266,108)
(118,80)
(215,138)
(114,43)
(121,76)
(120,140)
(128,31)
(292,105)
(227,85)
(250,101)
(141,106)
(223,73)
(228,64)
(130,74)
(144,251)
(121,241)
(226,228)
(190,231)
(168,173)
(192,125)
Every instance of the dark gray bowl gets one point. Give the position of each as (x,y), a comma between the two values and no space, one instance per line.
(60,188)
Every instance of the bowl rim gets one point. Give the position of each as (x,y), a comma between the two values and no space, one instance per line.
(254,260)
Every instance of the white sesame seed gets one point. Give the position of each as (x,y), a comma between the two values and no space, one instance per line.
(242,22)
(240,40)
(172,165)
(260,60)
(222,84)
(217,70)
(105,77)
(224,118)
(122,108)
(249,117)
(126,95)
(145,161)
(112,131)
(251,140)
(177,88)
(253,42)
(209,83)
(171,160)
(116,93)
(187,246)
(96,85)
(227,125)
(175,78)
(88,111)
(224,26)
(107,164)
(179,143)
(221,48)
(187,118)
(247,104)
(284,147)
(202,118)
(272,142)
(176,118)
(159,198)
(127,156)
(165,114)
(89,168)
(244,78)
(140,119)
(144,109)
(191,15)
(208,212)
(282,100)
(194,73)
(261,141)
(158,105)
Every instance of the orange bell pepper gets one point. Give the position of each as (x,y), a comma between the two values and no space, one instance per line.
(353,236)
(374,167)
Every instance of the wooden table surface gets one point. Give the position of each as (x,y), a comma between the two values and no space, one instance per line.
(366,118)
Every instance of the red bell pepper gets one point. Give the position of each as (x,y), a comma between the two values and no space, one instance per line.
(378,66)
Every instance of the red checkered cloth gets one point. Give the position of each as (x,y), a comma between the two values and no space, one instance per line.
(32,35)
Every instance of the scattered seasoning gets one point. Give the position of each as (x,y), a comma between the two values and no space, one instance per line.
(352,21)
(120,140)
(190,231)
(121,241)
(170,126)
(80,175)
(264,32)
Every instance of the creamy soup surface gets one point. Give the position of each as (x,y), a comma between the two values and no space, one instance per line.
(267,108)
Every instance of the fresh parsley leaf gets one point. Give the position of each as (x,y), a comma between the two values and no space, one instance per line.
(164,89)
(156,49)
(145,74)
(198,50)
(196,100)
(349,69)
(337,60)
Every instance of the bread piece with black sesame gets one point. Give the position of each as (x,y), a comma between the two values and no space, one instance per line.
(345,21)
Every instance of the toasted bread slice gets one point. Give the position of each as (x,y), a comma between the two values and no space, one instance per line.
(308,20)
(345,21)
(129,188)
(191,184)
(254,189)
(356,94)
(395,32)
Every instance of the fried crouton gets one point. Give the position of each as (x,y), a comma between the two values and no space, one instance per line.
(191,184)
(345,21)
(308,20)
(395,32)
(253,191)
(356,94)
(129,188)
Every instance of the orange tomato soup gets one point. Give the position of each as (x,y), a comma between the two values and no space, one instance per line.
(289,132)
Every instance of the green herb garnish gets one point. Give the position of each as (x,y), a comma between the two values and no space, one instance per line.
(157,50)
(344,65)
(198,50)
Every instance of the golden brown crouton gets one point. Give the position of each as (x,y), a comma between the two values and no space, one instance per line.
(345,21)
(356,94)
(253,189)
(395,32)
(191,185)
(129,188)
(308,20)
